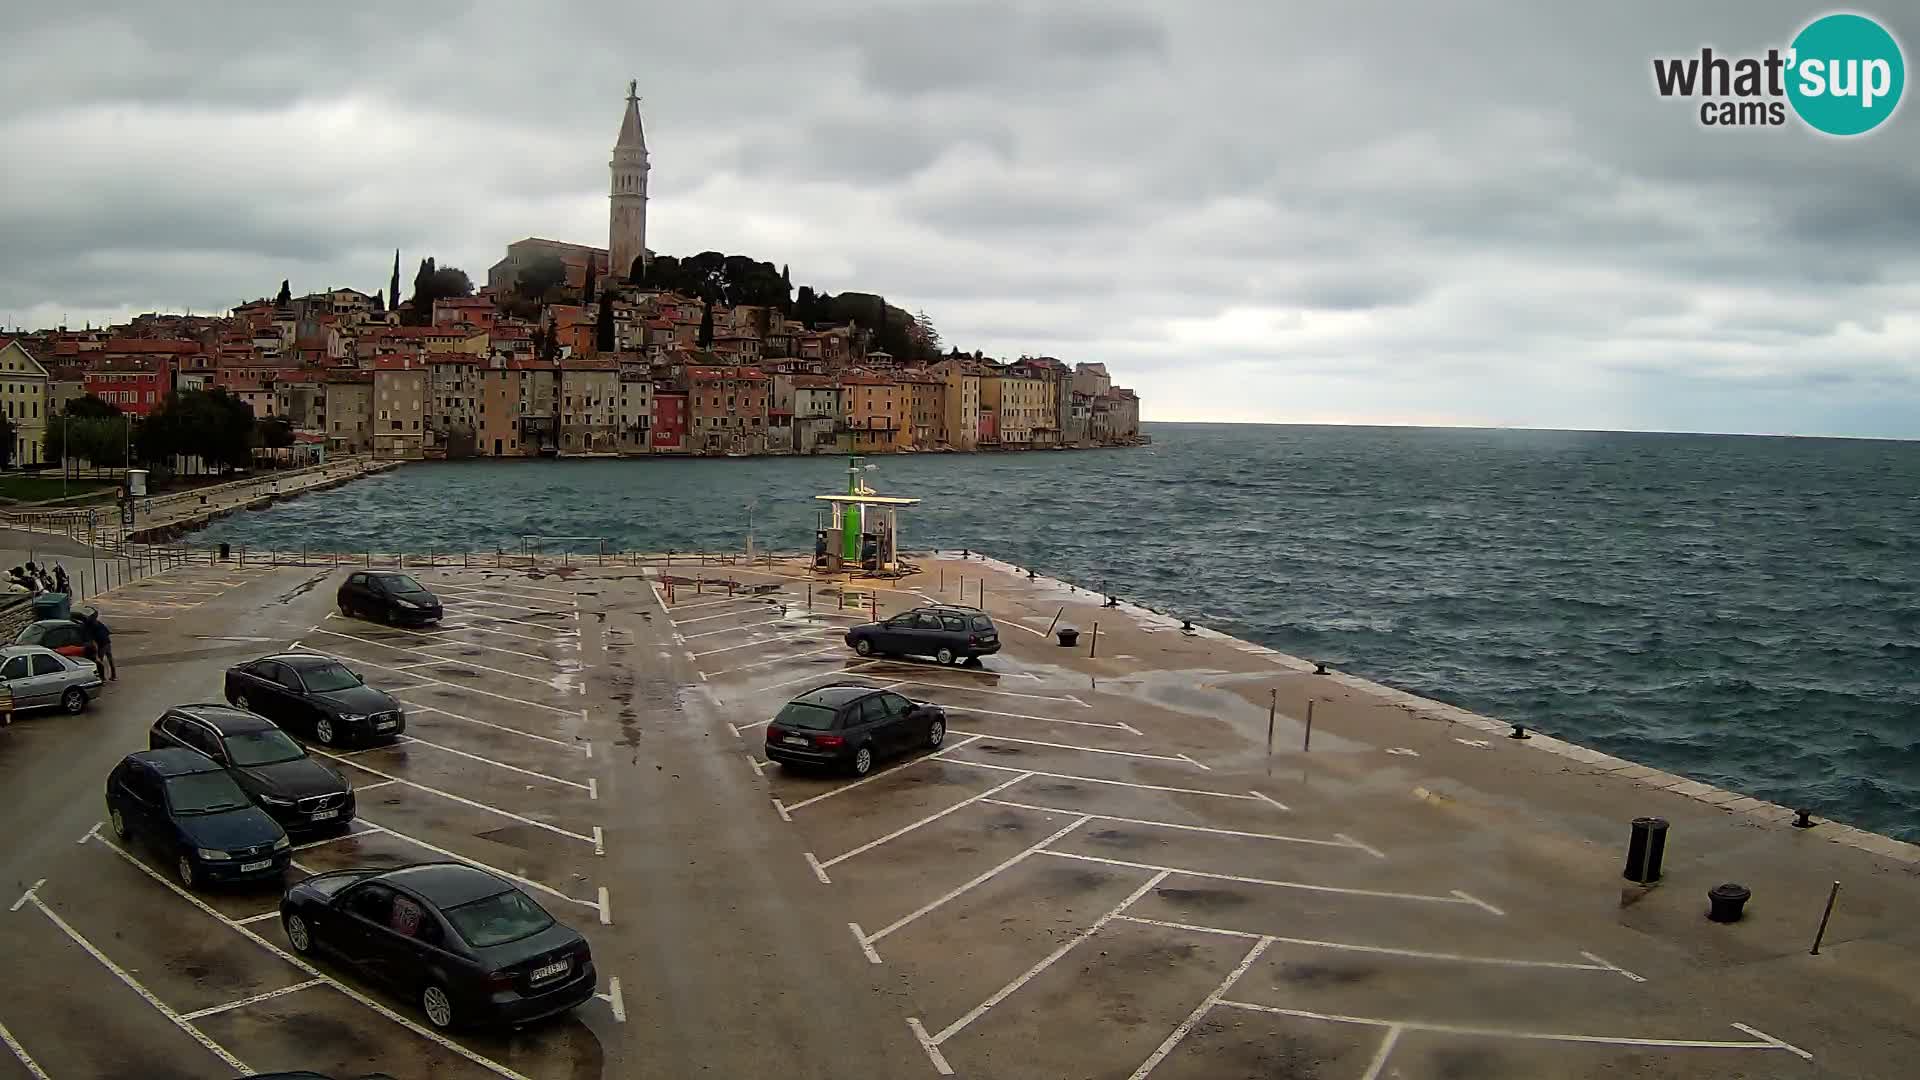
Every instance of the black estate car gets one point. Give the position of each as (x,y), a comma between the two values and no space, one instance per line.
(315,695)
(300,793)
(947,632)
(388,596)
(852,727)
(467,945)
(191,811)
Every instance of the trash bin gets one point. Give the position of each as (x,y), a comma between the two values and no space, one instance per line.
(226,552)
(51,605)
(1645,847)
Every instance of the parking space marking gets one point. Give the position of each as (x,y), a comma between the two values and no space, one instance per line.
(1114,783)
(449,643)
(1341,842)
(425,683)
(818,675)
(1416,954)
(262,917)
(1200,1011)
(671,608)
(979,690)
(466,600)
(20,1053)
(463,591)
(1385,1051)
(803,636)
(432,1036)
(819,871)
(348,835)
(978,879)
(438,711)
(1030,716)
(930,818)
(1028,975)
(451,797)
(587,787)
(935,756)
(457,857)
(765,663)
(984,672)
(439,632)
(138,987)
(614,1000)
(1071,746)
(735,629)
(1307,886)
(720,615)
(560,630)
(517,585)
(441,661)
(1766,1042)
(215,1010)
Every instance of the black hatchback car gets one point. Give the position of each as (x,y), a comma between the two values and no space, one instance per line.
(467,945)
(190,810)
(300,793)
(852,727)
(947,632)
(387,596)
(317,696)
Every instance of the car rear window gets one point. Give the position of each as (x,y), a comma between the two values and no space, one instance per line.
(981,622)
(799,714)
(498,919)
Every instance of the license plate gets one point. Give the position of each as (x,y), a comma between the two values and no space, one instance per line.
(386,725)
(550,971)
(796,740)
(325,815)
(250,867)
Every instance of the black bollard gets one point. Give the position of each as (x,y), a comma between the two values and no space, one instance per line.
(1726,901)
(1645,848)
(1804,820)
(1519,732)
(1319,667)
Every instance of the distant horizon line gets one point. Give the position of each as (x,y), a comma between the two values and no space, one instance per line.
(1518,427)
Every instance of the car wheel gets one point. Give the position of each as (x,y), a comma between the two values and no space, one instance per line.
(240,702)
(863,761)
(184,867)
(346,610)
(74,700)
(863,647)
(437,1005)
(119,823)
(323,730)
(945,656)
(936,734)
(298,934)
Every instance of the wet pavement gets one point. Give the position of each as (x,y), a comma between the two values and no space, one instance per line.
(1100,870)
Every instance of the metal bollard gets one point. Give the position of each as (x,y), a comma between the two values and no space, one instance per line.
(1725,902)
(1646,846)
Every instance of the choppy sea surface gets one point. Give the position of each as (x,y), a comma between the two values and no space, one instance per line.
(1741,610)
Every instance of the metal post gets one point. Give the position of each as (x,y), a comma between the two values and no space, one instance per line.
(874,598)
(1056,619)
(809,596)
(1307,743)
(1273,707)
(1093,645)
(983,594)
(1832,894)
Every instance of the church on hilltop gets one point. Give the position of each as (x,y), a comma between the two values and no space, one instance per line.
(626,219)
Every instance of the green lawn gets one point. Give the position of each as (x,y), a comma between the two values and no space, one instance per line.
(36,488)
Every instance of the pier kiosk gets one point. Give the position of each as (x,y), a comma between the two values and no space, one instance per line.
(864,531)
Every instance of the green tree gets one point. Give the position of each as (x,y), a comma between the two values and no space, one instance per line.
(393,287)
(6,441)
(435,283)
(286,294)
(90,406)
(706,325)
(210,424)
(586,294)
(541,277)
(603,324)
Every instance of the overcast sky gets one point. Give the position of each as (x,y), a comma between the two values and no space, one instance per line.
(1372,212)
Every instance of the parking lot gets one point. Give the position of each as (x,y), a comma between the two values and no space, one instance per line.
(495,769)
(1079,883)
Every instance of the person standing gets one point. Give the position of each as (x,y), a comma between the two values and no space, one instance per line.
(102,645)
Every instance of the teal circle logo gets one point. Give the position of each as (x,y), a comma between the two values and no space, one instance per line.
(1847,74)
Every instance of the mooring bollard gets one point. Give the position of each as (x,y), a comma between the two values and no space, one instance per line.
(1068,637)
(1819,936)
(1646,846)
(1803,819)
(1519,732)
(1319,668)
(1725,902)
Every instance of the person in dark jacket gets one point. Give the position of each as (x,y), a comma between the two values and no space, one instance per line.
(102,645)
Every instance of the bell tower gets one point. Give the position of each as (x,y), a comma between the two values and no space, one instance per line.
(627,214)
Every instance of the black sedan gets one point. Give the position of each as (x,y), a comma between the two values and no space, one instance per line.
(388,596)
(317,696)
(467,945)
(852,727)
(949,633)
(300,793)
(189,810)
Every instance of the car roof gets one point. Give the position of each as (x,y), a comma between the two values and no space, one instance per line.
(25,650)
(175,761)
(55,622)
(447,884)
(833,697)
(225,719)
(957,609)
(299,661)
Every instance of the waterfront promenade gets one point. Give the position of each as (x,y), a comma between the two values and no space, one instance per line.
(1101,871)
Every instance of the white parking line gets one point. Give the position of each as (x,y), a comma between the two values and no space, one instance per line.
(439,632)
(499,764)
(721,615)
(1206,1005)
(1100,780)
(819,871)
(311,844)
(615,1000)
(452,643)
(569,593)
(977,879)
(818,675)
(1030,716)
(936,755)
(138,987)
(1340,843)
(215,1010)
(1302,885)
(810,635)
(449,796)
(561,631)
(1070,746)
(435,709)
(736,629)
(20,1053)
(910,666)
(457,857)
(441,661)
(262,917)
(474,601)
(425,684)
(979,690)
(767,663)
(929,819)
(1381,950)
(753,599)
(432,1036)
(517,596)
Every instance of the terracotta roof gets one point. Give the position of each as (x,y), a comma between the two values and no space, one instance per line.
(451,358)
(146,345)
(584,364)
(395,363)
(343,375)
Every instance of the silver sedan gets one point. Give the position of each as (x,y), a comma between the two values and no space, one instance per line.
(32,677)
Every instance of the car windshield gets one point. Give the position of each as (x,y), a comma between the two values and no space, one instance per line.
(799,714)
(328,677)
(500,918)
(268,746)
(204,793)
(399,583)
